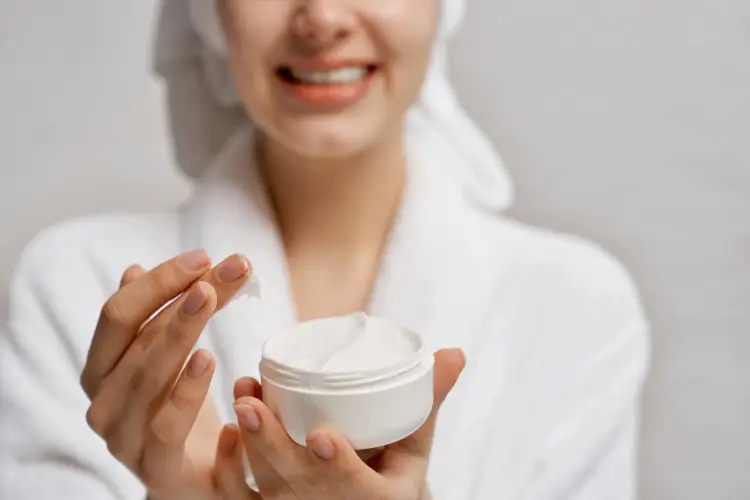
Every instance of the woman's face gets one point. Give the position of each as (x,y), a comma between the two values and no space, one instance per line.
(329,78)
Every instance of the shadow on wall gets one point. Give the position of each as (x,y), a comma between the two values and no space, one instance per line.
(198,124)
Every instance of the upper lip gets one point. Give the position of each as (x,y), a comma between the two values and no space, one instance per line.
(328,64)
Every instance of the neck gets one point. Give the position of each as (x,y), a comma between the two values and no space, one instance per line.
(337,206)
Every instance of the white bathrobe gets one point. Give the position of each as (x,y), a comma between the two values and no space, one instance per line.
(547,408)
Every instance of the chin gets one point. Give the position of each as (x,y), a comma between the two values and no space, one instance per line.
(329,138)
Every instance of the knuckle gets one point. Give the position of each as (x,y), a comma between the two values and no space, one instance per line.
(156,279)
(97,418)
(141,382)
(184,400)
(183,331)
(132,272)
(127,277)
(152,480)
(145,340)
(114,446)
(87,385)
(167,432)
(113,312)
(161,279)
(180,330)
(118,444)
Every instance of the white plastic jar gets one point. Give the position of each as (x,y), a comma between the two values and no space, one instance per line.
(368,377)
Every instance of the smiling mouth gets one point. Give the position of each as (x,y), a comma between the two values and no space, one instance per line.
(339,76)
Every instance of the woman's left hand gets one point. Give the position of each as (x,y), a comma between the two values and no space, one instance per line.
(329,468)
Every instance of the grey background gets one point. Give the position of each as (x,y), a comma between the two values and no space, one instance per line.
(625,121)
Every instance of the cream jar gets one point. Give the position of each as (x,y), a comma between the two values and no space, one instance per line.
(368,377)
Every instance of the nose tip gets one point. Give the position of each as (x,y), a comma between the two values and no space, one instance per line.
(320,22)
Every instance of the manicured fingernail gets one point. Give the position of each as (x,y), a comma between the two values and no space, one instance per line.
(196,260)
(195,301)
(248,417)
(232,269)
(322,446)
(197,365)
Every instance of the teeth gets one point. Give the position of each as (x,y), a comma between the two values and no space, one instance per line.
(336,76)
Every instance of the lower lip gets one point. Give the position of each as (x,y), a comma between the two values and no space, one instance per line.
(330,95)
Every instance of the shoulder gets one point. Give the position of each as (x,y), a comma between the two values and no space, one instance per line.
(79,262)
(70,246)
(563,287)
(559,262)
(562,305)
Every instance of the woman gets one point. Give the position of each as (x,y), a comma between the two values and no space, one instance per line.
(362,187)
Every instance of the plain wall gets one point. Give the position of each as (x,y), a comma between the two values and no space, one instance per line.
(624,121)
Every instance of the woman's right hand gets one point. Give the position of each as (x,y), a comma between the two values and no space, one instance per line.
(151,408)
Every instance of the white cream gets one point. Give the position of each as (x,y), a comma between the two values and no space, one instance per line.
(344,345)
(251,289)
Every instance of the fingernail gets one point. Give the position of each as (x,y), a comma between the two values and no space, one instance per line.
(194,261)
(197,365)
(230,441)
(244,388)
(322,446)
(232,269)
(248,417)
(462,354)
(257,390)
(195,301)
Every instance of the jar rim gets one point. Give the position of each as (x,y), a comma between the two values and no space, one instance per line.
(306,379)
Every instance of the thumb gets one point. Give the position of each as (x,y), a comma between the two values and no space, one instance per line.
(449,363)
(414,450)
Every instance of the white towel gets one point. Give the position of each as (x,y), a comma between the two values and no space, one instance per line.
(437,117)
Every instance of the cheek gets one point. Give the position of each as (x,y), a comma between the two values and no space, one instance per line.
(253,30)
(407,31)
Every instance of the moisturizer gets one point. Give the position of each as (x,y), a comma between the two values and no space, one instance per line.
(347,344)
(369,377)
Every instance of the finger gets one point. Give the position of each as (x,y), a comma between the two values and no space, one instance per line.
(449,363)
(153,369)
(410,455)
(266,440)
(163,454)
(332,453)
(364,455)
(140,384)
(230,473)
(125,312)
(131,274)
(227,279)
(247,387)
